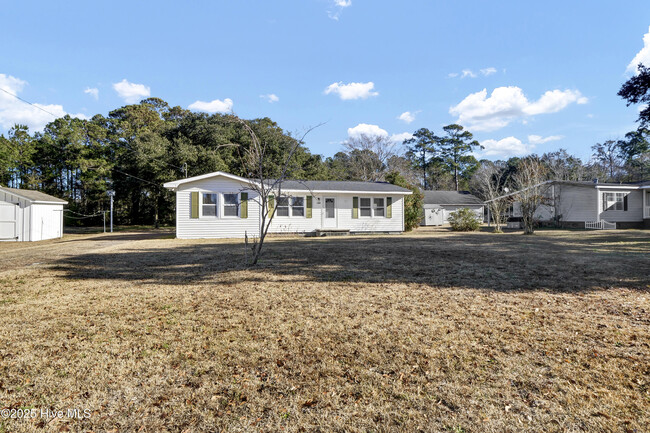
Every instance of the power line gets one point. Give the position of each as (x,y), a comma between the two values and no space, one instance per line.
(27,102)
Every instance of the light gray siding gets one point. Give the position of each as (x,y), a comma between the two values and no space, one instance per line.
(576,203)
(634,211)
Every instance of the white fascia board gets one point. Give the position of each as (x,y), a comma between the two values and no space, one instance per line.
(176,183)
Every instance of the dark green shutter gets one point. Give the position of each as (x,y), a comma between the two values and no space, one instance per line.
(625,202)
(243,205)
(271,204)
(308,212)
(355,207)
(194,204)
(389,207)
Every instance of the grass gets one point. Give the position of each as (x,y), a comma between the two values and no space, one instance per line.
(430,331)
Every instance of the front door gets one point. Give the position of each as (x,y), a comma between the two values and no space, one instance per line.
(329,219)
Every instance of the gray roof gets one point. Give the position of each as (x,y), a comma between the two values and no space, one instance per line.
(342,185)
(32,195)
(593,183)
(451,197)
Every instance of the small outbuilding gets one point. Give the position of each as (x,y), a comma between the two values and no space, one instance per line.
(439,204)
(27,215)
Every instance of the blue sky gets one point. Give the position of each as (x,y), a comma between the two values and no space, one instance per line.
(522,78)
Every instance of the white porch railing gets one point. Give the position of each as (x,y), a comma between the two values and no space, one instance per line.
(646,212)
(600,225)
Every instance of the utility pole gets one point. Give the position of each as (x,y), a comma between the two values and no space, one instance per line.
(111,194)
(185,169)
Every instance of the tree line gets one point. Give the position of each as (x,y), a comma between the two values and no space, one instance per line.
(136,148)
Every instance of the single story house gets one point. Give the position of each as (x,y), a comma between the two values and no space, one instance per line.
(27,215)
(590,203)
(222,205)
(439,204)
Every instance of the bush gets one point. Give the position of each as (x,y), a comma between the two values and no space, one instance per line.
(464,220)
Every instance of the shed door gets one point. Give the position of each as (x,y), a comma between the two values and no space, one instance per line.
(8,223)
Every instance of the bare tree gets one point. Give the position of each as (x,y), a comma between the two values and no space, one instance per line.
(607,156)
(490,183)
(530,181)
(267,190)
(369,155)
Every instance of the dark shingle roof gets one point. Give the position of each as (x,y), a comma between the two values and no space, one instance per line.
(32,195)
(450,197)
(343,185)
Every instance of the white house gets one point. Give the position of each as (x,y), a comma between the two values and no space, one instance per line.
(572,204)
(439,204)
(27,215)
(222,205)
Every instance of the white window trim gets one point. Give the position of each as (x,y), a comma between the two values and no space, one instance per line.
(364,207)
(223,206)
(615,201)
(217,209)
(375,208)
(372,208)
(290,207)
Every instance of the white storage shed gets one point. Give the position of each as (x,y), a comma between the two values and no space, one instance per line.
(27,215)
(439,204)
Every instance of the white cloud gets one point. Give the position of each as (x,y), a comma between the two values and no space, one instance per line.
(271,97)
(131,93)
(482,113)
(94,92)
(407,117)
(352,90)
(338,6)
(506,147)
(467,73)
(643,56)
(366,129)
(512,146)
(216,106)
(13,110)
(538,139)
(399,138)
(488,71)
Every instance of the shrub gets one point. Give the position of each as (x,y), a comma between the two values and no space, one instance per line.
(464,220)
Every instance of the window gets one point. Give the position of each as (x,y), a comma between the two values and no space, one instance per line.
(283,207)
(298,206)
(230,205)
(379,207)
(209,206)
(614,201)
(364,207)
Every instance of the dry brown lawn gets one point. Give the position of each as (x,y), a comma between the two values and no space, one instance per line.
(431,331)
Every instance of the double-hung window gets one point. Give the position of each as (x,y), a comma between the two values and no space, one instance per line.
(231,205)
(209,205)
(378,207)
(614,201)
(365,207)
(291,206)
(298,206)
(283,207)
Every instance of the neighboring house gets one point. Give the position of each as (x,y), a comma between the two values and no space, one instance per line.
(27,215)
(439,204)
(572,204)
(222,205)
